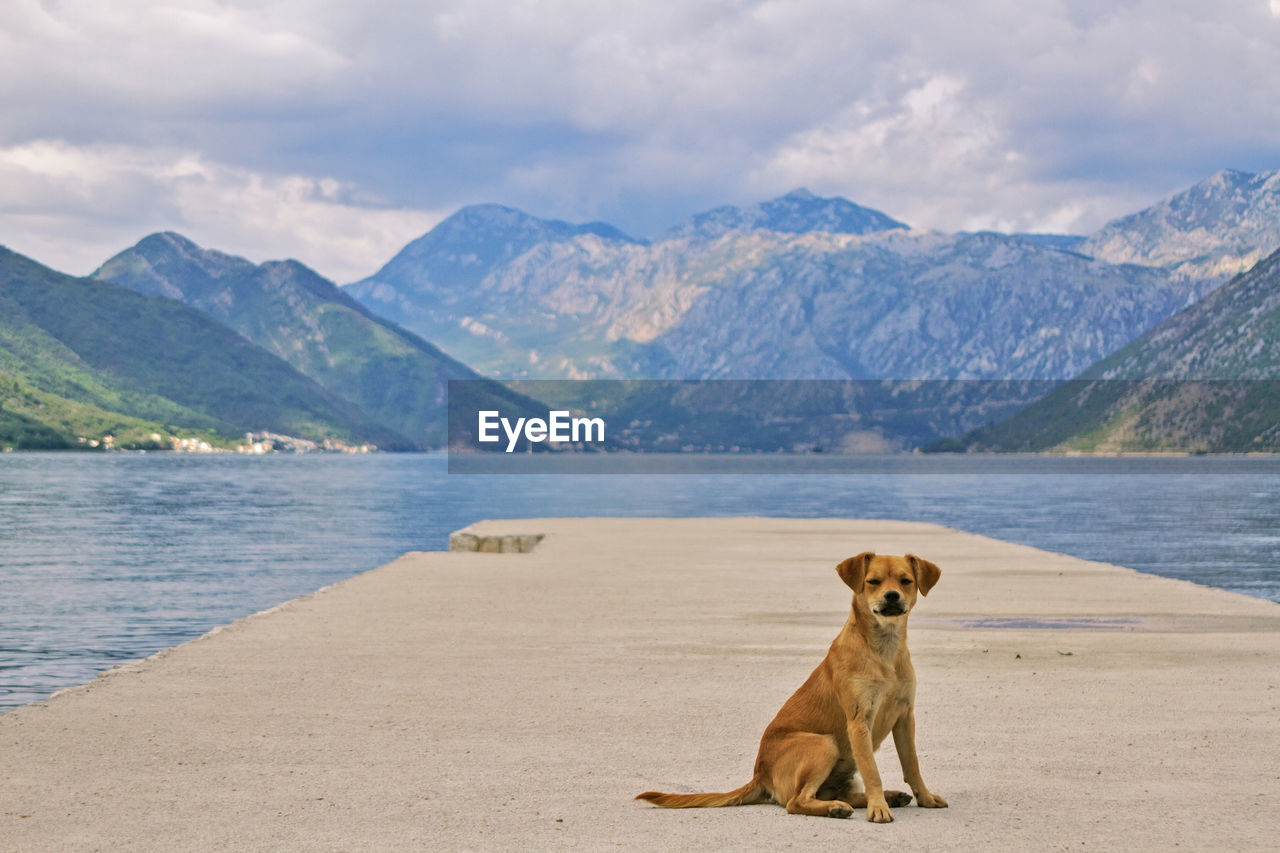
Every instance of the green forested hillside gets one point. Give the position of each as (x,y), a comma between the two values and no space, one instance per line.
(393,375)
(1205,380)
(80,358)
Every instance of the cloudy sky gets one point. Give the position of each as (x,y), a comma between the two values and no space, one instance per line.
(335,131)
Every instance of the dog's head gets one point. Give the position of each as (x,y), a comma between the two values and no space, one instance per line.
(888,584)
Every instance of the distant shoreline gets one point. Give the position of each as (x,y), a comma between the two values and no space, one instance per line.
(631,455)
(830,463)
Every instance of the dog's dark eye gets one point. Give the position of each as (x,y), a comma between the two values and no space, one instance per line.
(873,583)
(906,581)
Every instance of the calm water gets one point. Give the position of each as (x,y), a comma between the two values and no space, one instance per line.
(107,558)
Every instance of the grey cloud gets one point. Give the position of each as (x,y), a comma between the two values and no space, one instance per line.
(1051,115)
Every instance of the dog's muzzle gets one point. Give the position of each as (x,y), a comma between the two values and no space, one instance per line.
(892,604)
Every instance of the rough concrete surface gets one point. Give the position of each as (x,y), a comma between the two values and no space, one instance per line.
(489,701)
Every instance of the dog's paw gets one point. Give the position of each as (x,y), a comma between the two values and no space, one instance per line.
(879,813)
(931,801)
(897,799)
(839,809)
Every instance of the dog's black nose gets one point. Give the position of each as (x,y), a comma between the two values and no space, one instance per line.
(891,595)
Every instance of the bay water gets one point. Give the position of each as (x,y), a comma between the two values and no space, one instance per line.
(106,558)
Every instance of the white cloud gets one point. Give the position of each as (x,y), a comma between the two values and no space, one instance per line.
(974,115)
(140,54)
(72,207)
(935,157)
(948,115)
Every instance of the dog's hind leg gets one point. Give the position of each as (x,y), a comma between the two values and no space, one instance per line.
(805,761)
(844,784)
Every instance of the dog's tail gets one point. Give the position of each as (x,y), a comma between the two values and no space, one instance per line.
(749,794)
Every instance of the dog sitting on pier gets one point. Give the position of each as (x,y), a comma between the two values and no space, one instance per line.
(826,734)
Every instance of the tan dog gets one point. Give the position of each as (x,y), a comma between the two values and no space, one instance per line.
(828,731)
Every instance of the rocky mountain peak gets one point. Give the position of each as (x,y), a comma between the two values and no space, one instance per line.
(486,222)
(797,212)
(168,241)
(1213,229)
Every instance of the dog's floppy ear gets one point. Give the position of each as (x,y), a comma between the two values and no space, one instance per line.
(927,573)
(853,571)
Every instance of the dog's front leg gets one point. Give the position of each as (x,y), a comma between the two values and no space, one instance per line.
(864,757)
(904,739)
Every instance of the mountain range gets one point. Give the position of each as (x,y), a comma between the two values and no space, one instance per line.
(796,287)
(816,288)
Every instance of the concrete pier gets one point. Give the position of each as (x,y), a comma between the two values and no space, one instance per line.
(479,700)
